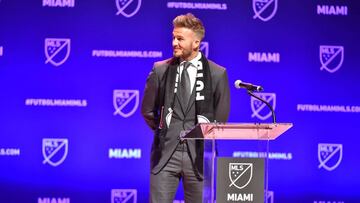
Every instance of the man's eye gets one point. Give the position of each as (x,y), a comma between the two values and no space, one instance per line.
(177,38)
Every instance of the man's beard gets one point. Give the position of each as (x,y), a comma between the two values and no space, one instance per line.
(184,54)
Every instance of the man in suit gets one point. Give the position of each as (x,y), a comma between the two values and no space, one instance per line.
(180,92)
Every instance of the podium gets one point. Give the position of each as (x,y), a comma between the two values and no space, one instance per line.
(210,132)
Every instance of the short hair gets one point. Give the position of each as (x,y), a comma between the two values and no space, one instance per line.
(191,22)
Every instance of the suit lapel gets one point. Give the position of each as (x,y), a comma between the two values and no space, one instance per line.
(170,85)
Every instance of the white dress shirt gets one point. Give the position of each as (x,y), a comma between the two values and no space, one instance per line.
(192,69)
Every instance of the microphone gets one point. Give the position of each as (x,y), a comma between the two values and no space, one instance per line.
(250,88)
(239,84)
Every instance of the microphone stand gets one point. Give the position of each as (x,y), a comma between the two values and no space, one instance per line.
(267,144)
(265,102)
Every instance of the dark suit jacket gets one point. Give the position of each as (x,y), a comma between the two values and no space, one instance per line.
(163,146)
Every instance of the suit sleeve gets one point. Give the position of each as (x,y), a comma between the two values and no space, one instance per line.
(149,106)
(222,98)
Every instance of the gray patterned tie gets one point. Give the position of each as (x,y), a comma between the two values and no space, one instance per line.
(185,85)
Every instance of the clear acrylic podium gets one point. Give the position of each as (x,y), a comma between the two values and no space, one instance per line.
(210,132)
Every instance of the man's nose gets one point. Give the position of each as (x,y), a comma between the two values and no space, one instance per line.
(175,42)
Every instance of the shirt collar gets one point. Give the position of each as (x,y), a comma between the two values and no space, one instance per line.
(195,60)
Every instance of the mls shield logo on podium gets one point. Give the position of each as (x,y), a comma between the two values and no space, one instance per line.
(127,8)
(204,48)
(240,174)
(329,155)
(264,9)
(240,180)
(125,102)
(260,109)
(57,50)
(123,196)
(54,150)
(331,57)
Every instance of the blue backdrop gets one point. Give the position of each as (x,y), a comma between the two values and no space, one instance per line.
(72,74)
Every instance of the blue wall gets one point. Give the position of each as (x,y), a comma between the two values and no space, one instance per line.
(73,71)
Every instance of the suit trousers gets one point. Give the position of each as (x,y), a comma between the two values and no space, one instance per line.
(163,185)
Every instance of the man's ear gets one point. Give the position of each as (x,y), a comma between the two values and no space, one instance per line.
(196,44)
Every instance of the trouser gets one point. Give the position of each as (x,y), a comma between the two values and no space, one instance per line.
(163,185)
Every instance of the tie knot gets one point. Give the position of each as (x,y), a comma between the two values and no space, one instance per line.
(187,64)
